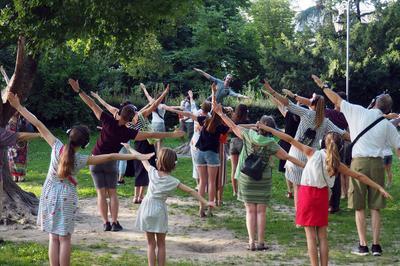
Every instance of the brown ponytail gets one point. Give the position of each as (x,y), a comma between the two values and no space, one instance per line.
(319,103)
(332,153)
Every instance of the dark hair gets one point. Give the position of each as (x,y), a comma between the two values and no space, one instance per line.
(241,114)
(166,160)
(78,136)
(342,94)
(211,123)
(319,102)
(206,106)
(268,121)
(127,112)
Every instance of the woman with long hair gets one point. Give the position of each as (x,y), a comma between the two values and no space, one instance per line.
(312,127)
(58,202)
(313,193)
(256,194)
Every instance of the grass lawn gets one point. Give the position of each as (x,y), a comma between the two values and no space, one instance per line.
(279,229)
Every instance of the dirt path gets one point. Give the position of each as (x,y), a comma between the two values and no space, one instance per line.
(187,238)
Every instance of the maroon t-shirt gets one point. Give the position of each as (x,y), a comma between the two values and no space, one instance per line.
(112,135)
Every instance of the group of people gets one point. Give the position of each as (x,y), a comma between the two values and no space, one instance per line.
(311,151)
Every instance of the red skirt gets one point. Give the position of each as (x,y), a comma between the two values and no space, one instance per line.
(312,206)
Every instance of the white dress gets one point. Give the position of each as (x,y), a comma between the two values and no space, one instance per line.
(153,214)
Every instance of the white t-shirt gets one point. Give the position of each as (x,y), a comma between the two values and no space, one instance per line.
(315,173)
(377,139)
(186,107)
(158,117)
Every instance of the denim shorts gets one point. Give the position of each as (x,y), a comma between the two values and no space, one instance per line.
(206,158)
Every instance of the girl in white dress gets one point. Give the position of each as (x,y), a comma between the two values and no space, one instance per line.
(152,216)
(59,199)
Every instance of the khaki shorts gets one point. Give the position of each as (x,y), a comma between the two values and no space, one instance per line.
(359,192)
(1,198)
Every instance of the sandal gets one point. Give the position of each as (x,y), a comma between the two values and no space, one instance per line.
(261,247)
(289,195)
(251,246)
(135,200)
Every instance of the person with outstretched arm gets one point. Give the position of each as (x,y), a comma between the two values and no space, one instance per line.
(223,86)
(115,130)
(367,158)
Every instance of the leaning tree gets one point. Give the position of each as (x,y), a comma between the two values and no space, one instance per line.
(113,26)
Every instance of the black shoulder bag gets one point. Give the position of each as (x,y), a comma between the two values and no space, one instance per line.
(349,148)
(254,165)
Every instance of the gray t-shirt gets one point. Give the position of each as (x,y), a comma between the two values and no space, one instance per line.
(222,91)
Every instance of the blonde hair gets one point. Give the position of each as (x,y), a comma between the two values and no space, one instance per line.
(332,141)
(166,160)
(319,103)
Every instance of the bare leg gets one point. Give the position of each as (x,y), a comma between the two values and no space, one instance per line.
(361,226)
(311,236)
(376,225)
(151,248)
(251,221)
(161,251)
(141,192)
(323,245)
(203,176)
(54,250)
(212,177)
(295,189)
(289,186)
(102,203)
(65,250)
(345,185)
(234,163)
(389,174)
(114,204)
(136,193)
(261,220)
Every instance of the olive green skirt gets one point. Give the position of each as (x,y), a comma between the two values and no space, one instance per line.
(252,191)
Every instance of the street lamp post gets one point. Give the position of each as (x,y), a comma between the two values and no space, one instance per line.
(339,28)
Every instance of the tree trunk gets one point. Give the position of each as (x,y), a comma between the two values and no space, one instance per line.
(19,205)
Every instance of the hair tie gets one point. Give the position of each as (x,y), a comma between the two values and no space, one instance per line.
(68,131)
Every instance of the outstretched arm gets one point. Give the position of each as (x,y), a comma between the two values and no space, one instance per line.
(297,98)
(99,159)
(43,130)
(332,96)
(208,76)
(238,130)
(283,155)
(145,162)
(86,98)
(195,195)
(5,76)
(274,94)
(27,136)
(142,135)
(113,110)
(182,113)
(308,151)
(364,179)
(146,93)
(153,106)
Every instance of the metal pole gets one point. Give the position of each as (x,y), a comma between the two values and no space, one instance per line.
(347,47)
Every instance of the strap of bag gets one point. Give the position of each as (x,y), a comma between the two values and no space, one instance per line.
(366,130)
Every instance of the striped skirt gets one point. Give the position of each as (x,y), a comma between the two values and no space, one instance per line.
(252,191)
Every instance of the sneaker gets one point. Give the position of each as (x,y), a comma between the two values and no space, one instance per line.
(376,250)
(115,227)
(361,251)
(107,226)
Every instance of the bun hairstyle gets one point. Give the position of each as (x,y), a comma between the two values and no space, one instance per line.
(333,145)
(268,121)
(78,136)
(319,103)
(127,111)
(166,160)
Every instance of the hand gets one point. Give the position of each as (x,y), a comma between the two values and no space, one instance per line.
(14,100)
(391,116)
(167,88)
(74,85)
(318,81)
(214,87)
(141,85)
(144,157)
(196,69)
(385,193)
(126,145)
(228,109)
(288,93)
(246,97)
(211,204)
(190,93)
(179,133)
(95,94)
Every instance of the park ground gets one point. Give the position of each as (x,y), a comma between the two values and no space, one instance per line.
(219,240)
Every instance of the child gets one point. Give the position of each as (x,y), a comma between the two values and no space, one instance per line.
(152,215)
(58,202)
(313,199)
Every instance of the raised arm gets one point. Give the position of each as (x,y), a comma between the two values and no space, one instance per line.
(85,98)
(143,135)
(113,110)
(146,93)
(131,150)
(213,94)
(182,113)
(297,98)
(43,130)
(332,96)
(27,136)
(193,107)
(274,94)
(208,76)
(238,130)
(153,106)
(308,151)
(282,109)
(195,195)
(283,155)
(4,74)
(363,178)
(100,159)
